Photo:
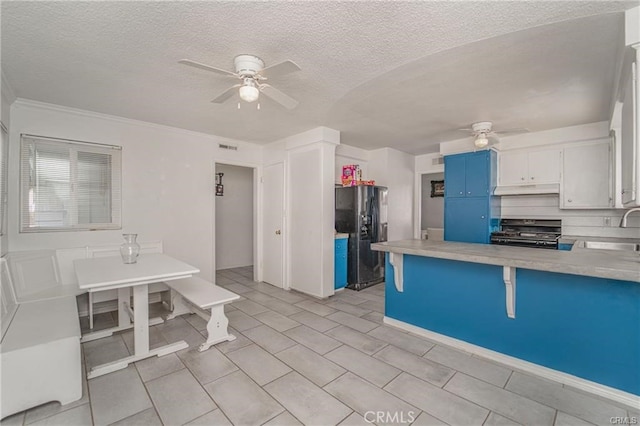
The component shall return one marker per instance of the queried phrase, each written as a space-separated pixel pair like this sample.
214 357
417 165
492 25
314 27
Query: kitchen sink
603 245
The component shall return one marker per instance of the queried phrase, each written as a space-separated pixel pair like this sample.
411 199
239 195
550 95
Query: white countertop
613 264
570 239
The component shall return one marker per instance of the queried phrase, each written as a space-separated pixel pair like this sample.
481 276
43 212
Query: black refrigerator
361 212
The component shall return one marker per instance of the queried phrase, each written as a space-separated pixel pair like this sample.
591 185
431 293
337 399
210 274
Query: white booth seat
44 274
49 274
39 351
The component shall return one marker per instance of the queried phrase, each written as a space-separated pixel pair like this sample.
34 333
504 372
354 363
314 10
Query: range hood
550 188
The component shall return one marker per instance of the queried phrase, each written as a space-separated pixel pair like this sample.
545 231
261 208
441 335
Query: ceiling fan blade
277 70
206 67
273 93
226 94
513 131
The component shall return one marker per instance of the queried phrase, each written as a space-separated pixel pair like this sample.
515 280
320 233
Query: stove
536 233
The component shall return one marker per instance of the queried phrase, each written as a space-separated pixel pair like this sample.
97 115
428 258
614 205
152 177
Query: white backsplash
592 223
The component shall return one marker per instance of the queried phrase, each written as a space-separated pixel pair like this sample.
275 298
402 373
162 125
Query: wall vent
436 161
229 147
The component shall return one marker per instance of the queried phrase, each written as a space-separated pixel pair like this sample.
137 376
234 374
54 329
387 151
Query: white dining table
106 273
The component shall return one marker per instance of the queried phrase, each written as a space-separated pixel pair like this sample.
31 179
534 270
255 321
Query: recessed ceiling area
398 74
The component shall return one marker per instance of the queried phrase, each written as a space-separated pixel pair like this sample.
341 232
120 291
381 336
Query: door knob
278 232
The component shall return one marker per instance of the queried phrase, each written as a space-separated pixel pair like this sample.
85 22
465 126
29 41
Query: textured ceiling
400 74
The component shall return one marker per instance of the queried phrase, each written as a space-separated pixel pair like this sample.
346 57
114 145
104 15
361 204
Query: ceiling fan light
249 93
481 141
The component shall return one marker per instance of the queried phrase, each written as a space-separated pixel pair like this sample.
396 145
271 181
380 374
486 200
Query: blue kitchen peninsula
570 316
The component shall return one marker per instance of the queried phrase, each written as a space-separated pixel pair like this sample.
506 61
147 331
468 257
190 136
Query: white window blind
69 185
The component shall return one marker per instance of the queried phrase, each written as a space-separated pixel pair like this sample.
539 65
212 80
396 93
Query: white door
273 241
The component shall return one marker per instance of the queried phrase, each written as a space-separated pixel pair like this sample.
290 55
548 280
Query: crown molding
28 103
7 90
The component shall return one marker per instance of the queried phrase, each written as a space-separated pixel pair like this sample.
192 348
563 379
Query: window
68 185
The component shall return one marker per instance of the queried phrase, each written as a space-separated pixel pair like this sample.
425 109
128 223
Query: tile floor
300 360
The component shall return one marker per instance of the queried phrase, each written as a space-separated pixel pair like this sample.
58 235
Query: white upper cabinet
544 166
586 176
513 168
524 167
630 136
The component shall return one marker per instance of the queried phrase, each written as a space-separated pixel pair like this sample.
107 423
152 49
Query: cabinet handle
278 232
532 178
469 192
522 178
569 200
461 192
481 217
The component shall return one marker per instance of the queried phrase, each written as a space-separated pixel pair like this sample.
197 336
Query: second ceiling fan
251 72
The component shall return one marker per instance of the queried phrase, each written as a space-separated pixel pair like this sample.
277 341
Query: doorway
235 219
432 206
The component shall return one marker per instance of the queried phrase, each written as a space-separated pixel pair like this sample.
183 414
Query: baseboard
522 365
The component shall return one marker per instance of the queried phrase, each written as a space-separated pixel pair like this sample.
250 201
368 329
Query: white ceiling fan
483 133
251 72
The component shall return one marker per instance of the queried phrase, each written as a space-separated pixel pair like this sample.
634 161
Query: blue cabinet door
454 175
340 263
477 174
466 220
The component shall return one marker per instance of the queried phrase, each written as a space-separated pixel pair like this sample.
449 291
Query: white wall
345 155
309 235
432 208
234 218
167 180
533 139
396 170
5 116
589 223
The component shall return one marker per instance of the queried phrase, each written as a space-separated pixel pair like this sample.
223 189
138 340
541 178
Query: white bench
49 274
196 295
39 351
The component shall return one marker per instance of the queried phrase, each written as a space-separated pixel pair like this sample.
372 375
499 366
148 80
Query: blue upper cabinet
454 176
470 174
478 174
470 211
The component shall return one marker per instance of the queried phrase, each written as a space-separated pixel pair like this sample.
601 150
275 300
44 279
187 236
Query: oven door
523 242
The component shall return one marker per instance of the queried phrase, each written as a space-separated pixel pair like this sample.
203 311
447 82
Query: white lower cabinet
586 181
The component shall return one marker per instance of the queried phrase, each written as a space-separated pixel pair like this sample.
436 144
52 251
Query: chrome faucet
623 222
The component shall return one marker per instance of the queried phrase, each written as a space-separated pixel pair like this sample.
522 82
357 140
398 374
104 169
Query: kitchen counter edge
592 263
